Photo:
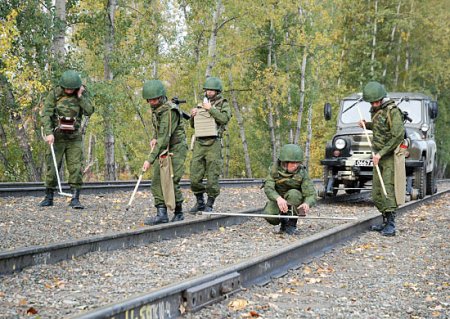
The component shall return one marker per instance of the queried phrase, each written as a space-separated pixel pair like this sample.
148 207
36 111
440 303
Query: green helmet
291 153
373 91
213 83
70 80
153 89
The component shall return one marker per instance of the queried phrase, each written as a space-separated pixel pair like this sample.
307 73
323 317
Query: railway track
37 189
192 294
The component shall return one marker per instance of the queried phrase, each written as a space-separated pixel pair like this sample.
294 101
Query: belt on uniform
204 138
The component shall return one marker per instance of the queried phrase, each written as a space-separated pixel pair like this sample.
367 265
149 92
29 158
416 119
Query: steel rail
20 258
37 189
194 294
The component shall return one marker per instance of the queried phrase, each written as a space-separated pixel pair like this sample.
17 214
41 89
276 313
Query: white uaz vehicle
348 158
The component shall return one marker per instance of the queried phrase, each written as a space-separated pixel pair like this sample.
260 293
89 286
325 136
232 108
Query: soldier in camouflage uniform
168 130
288 188
68 101
388 132
207 155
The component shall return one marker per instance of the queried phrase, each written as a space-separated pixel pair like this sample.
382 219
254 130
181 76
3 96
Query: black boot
48 199
389 230
209 204
179 216
283 225
381 226
200 205
75 201
160 218
291 226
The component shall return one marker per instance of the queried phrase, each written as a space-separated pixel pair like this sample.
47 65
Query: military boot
209 204
291 226
75 201
389 230
160 218
283 225
179 216
381 226
199 205
48 199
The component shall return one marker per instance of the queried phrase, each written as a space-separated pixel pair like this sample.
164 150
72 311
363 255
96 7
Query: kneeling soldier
288 188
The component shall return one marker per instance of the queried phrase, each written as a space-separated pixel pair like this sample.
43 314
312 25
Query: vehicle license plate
364 163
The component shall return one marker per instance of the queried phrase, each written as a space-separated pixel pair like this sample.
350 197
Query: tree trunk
4 142
240 121
60 31
391 42
110 169
374 40
27 154
269 101
126 160
308 139
212 45
302 96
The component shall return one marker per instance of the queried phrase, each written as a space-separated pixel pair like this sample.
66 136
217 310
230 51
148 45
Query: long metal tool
57 173
135 190
278 216
373 153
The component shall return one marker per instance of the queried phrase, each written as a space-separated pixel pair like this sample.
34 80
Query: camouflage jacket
161 116
58 104
220 111
279 182
388 128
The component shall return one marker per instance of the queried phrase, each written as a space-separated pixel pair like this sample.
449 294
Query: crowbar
371 149
57 173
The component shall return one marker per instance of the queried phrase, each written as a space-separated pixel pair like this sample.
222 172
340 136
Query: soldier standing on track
168 130
207 156
388 133
289 189
61 116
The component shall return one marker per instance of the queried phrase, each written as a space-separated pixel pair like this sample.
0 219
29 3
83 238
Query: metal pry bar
278 216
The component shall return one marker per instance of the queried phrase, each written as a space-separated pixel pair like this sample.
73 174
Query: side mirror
327 111
433 109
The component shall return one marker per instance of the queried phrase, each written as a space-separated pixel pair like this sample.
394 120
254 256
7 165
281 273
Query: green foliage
169 40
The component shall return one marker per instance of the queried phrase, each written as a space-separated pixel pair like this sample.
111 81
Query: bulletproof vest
178 134
285 181
218 102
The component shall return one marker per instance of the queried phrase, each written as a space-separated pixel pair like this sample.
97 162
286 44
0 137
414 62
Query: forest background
279 61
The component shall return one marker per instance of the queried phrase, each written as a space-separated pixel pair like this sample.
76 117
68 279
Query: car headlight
340 143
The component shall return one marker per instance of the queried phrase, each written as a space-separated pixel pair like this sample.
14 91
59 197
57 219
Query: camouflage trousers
206 162
384 204
71 147
294 198
179 152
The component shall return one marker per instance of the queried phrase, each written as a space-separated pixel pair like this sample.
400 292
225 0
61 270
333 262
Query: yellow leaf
238 304
222 229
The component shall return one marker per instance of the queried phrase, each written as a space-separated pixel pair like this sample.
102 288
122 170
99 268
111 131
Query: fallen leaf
182 309
222 229
31 311
238 304
22 302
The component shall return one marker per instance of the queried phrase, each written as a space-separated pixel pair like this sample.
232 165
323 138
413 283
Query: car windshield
413 107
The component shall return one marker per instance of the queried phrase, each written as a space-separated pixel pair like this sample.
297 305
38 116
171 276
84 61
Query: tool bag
66 124
400 174
166 172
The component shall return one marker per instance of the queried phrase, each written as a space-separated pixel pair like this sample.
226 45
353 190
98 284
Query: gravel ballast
70 287
406 276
